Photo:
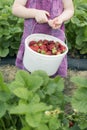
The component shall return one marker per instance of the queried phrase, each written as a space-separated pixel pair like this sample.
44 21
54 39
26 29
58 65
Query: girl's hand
41 16
55 23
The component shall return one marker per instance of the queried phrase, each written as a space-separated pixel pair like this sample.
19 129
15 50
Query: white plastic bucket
35 61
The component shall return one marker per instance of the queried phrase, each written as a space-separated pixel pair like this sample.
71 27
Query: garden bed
9 72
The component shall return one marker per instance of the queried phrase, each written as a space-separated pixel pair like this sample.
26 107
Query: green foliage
5 95
36 102
29 97
79 101
76 28
10 30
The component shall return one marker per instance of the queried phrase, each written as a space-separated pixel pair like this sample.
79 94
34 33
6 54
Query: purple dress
55 8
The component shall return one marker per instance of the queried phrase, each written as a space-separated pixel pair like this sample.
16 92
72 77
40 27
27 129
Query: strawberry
54 50
48 53
51 46
71 124
45 42
47 47
35 48
43 52
58 52
43 47
32 43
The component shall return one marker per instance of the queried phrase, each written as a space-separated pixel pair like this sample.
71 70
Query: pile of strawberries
47 47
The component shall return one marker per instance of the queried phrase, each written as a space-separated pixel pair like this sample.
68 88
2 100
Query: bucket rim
43 55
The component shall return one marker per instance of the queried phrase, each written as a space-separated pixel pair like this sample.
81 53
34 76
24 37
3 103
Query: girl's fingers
47 13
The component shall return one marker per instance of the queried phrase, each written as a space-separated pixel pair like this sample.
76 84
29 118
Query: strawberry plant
76 30
37 102
32 101
79 102
10 30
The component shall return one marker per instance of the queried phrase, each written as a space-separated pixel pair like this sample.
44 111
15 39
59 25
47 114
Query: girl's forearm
23 12
66 15
68 10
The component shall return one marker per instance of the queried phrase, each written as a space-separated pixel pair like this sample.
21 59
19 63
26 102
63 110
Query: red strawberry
35 48
58 52
51 46
43 47
32 43
47 47
49 53
45 42
71 124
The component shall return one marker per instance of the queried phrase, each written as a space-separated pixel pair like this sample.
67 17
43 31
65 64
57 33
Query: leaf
42 127
2 109
43 75
4 96
21 93
54 85
51 87
33 120
29 108
84 49
22 76
85 32
83 6
17 30
56 99
80 16
1 81
60 83
16 84
20 109
35 99
78 22
83 124
4 52
26 128
5 44
75 127
80 38
30 81
38 107
35 82
1 78
79 81
3 85
79 100
54 123
15 46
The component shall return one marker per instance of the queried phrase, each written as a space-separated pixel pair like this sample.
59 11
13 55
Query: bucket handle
66 41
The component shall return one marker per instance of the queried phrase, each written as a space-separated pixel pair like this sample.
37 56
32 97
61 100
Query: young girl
43 16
